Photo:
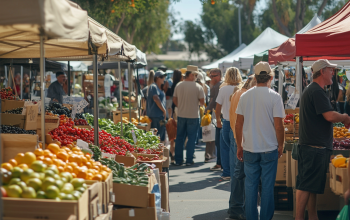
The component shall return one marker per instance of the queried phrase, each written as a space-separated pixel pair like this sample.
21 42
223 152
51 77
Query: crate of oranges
341 133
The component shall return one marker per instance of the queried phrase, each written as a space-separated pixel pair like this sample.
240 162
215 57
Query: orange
13 162
104 167
84 159
40 145
63 156
56 162
48 161
88 156
54 148
97 177
92 171
39 152
70 146
104 175
66 149
29 158
23 166
96 168
19 158
47 153
88 165
61 169
82 174
69 169
97 164
7 166
74 175
40 158
75 158
59 143
89 176
77 149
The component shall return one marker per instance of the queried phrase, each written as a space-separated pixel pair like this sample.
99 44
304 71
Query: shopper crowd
249 133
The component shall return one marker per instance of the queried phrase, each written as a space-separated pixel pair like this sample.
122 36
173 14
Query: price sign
81 105
82 144
134 136
74 111
293 100
68 100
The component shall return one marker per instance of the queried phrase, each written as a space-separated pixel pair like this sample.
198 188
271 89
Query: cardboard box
289 169
127 161
87 127
107 193
166 153
158 163
27 121
95 198
164 189
294 168
12 144
124 113
46 208
332 177
149 213
342 180
281 172
130 195
152 180
289 129
10 104
143 127
51 123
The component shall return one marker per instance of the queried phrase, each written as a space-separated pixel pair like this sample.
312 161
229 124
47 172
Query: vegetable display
58 109
7 93
6 129
14 111
289 119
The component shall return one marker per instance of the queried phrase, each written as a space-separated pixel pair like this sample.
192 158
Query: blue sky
191 10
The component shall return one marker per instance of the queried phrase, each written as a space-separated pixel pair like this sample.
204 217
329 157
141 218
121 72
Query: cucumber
135 166
121 172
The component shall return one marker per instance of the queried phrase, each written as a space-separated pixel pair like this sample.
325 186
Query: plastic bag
208 133
344 213
206 119
171 128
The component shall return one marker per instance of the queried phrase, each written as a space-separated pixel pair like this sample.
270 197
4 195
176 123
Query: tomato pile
7 93
80 122
289 119
67 134
142 158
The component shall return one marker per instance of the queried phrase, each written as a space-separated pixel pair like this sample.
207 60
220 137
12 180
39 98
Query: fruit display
58 109
14 111
80 121
7 129
338 124
341 132
7 93
296 118
31 176
340 161
206 119
142 158
145 119
289 119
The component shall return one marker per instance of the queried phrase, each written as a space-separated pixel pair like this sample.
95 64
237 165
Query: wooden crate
12 144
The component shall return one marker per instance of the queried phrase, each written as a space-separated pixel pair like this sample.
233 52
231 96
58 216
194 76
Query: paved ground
198 193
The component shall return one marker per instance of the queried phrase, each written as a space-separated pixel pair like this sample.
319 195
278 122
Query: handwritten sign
81 105
293 100
68 100
82 144
31 117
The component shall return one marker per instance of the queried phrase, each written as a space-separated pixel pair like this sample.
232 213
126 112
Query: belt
318 147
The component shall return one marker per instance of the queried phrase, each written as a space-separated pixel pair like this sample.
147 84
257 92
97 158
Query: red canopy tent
330 38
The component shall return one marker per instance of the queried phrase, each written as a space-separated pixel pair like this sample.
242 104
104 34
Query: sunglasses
212 76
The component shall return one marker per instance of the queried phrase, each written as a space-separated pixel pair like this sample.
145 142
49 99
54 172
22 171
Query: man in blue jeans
259 138
188 96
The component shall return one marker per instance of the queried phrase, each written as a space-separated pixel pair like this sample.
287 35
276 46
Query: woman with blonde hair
236 204
233 78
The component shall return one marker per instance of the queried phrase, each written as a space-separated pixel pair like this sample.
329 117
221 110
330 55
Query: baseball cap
262 66
320 64
159 73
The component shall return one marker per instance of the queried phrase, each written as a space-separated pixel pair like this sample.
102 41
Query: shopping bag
208 133
344 213
171 129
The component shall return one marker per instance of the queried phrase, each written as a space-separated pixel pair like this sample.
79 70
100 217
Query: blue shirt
153 111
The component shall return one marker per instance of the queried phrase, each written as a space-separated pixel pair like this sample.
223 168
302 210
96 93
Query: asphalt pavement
199 194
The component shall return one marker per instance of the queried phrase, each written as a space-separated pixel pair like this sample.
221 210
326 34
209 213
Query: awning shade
35 65
329 38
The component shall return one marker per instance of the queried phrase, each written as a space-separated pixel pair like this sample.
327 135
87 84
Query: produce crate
51 123
107 193
144 127
283 198
125 113
95 198
87 127
28 121
12 144
128 161
289 129
46 208
148 213
130 195
164 189
10 104
332 177
342 180
158 163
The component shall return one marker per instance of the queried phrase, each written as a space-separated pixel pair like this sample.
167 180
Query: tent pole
138 91
69 86
120 99
298 76
42 72
280 79
129 88
21 82
95 80
6 78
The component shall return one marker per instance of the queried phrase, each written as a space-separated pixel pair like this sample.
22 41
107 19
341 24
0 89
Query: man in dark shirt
315 138
55 91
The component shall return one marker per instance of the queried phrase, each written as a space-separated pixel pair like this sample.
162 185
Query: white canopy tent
314 21
266 40
227 57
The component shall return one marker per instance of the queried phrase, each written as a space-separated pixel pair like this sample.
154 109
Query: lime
76 194
53 168
16 172
68 197
57 177
26 174
62 195
40 195
14 191
77 182
49 173
59 184
34 183
48 181
81 189
67 188
29 192
22 184
14 181
67 175
38 166
52 192
6 177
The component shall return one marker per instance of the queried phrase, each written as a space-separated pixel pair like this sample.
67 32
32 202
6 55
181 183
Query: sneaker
226 178
236 217
190 164
215 168
212 160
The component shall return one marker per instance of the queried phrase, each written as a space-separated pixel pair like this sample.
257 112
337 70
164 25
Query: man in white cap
315 138
260 138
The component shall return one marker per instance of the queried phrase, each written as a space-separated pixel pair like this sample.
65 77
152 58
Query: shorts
313 164
169 103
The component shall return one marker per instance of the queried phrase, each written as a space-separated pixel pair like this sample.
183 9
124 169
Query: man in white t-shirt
188 96
260 137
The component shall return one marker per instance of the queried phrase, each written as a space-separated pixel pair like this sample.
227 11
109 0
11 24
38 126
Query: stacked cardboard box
281 170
